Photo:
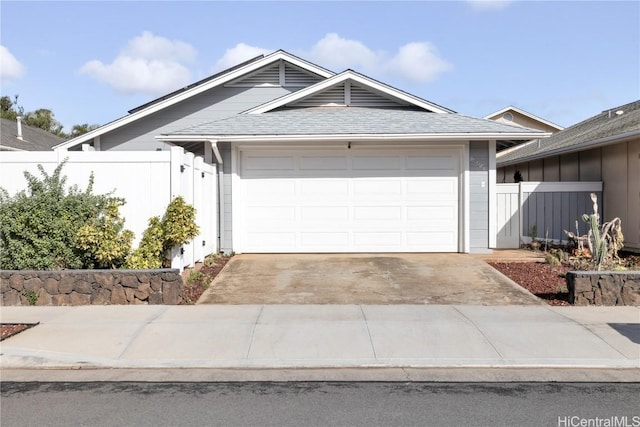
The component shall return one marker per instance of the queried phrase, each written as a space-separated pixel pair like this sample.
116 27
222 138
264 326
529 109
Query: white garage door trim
382 199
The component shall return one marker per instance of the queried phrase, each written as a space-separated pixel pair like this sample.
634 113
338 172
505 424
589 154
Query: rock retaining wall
84 287
604 287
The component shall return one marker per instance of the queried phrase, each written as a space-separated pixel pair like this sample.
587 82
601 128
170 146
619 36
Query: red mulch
10 329
193 291
543 280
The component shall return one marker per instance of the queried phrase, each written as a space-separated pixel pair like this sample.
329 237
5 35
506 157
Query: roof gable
500 114
610 126
281 73
337 90
216 80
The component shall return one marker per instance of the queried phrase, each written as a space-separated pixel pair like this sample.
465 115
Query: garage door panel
311 188
325 239
436 165
385 200
323 163
318 214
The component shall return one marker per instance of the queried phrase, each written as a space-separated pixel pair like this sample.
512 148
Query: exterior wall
524 121
617 165
226 244
214 104
479 196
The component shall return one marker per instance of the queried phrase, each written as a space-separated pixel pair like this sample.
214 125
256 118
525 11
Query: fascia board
337 79
346 137
573 148
195 91
524 113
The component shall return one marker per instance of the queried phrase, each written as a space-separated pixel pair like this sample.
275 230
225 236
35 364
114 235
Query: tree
78 130
43 118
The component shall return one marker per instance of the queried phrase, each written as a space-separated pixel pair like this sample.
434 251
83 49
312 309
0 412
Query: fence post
198 178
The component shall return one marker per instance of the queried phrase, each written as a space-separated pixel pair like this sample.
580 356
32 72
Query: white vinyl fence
548 208
146 180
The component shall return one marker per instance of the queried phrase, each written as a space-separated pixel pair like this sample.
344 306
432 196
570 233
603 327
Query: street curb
437 375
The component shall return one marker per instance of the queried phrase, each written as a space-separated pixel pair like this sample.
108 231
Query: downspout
216 153
19 124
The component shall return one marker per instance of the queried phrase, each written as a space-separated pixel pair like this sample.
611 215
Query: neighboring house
515 116
16 136
605 147
313 161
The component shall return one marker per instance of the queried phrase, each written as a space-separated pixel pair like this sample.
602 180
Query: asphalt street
319 404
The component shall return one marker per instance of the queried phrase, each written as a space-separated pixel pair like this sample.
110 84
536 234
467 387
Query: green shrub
39 226
105 238
177 227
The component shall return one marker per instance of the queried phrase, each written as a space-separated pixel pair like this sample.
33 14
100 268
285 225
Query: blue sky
90 62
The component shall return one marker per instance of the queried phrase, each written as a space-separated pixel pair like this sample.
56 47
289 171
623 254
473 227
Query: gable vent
333 96
294 76
361 97
267 76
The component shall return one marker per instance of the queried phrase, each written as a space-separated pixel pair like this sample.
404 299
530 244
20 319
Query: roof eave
600 142
195 91
460 136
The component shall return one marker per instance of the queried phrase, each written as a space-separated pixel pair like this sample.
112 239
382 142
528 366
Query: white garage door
340 200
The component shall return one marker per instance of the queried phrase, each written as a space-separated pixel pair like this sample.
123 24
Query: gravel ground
543 280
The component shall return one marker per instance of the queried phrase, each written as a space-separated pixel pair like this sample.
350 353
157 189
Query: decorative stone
156 283
101 296
16 282
4 284
43 297
51 286
583 284
32 285
143 277
155 298
609 290
60 299
105 280
171 292
11 297
169 277
136 301
117 295
66 284
79 299
129 293
129 281
142 293
82 287
630 294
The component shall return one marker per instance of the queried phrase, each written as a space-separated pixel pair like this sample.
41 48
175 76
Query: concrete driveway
363 279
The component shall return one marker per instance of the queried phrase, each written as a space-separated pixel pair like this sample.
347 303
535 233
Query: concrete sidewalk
323 338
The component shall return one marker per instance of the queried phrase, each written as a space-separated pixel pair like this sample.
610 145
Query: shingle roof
33 139
604 125
349 121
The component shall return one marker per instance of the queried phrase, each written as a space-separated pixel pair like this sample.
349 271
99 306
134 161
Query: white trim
179 97
370 137
236 212
345 76
493 227
524 113
465 244
560 187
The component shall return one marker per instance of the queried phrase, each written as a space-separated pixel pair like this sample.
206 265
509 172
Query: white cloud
10 67
149 64
415 61
489 4
238 54
419 62
333 51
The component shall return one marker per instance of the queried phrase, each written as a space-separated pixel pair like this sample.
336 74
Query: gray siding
553 212
479 196
212 105
227 241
